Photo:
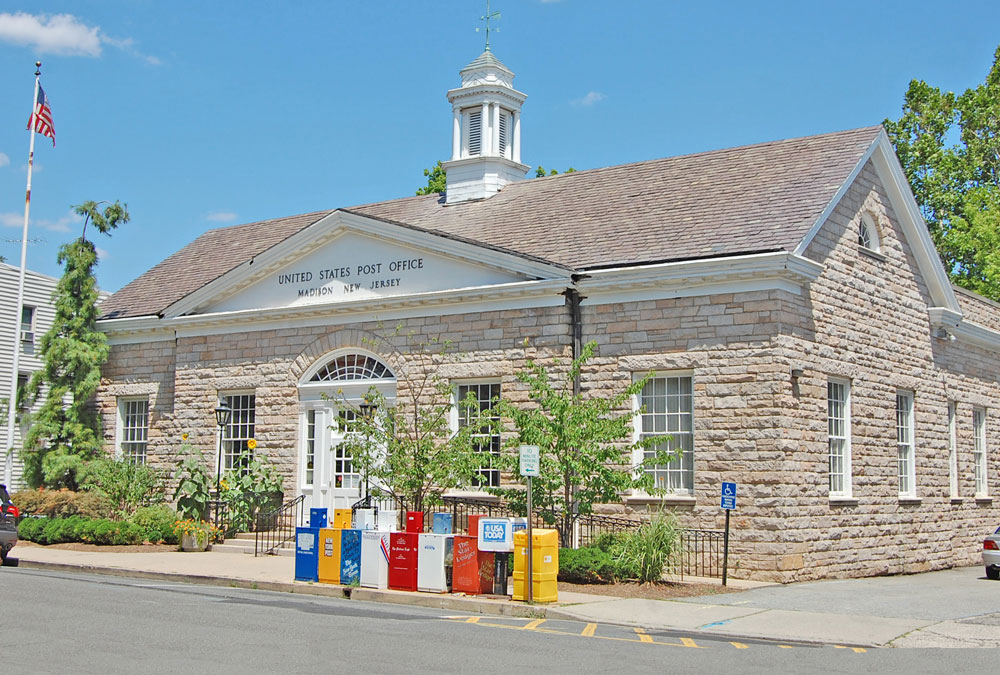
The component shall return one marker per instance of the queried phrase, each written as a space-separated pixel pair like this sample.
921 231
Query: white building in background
23 332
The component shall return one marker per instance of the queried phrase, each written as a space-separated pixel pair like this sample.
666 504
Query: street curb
467 605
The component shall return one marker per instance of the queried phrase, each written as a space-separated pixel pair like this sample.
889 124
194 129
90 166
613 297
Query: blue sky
206 114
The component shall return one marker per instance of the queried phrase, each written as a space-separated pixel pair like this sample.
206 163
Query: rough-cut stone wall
864 319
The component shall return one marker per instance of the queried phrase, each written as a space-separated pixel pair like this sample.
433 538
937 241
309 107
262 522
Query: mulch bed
660 591
144 548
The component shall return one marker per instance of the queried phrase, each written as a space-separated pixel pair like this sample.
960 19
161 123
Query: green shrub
648 550
30 528
587 565
126 485
157 523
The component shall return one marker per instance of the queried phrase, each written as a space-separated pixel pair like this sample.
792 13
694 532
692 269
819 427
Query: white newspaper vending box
375 559
434 559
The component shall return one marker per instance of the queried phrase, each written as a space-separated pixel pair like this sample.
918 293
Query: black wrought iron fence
701 553
275 528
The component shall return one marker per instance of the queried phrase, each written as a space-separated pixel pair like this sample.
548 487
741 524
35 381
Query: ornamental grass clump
649 550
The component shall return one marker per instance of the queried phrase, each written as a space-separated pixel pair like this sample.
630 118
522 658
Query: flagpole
19 308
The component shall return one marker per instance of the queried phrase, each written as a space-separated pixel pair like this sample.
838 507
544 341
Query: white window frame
27 329
239 430
953 488
312 444
838 430
906 459
127 432
979 462
677 476
490 471
867 225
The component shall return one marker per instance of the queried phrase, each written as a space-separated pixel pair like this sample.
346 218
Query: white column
487 140
456 134
516 151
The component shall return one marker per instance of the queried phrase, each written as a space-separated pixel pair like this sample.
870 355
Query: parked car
8 523
991 555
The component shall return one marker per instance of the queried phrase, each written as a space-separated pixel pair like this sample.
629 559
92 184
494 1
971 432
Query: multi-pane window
486 395
667 406
22 391
134 414
310 449
867 234
904 444
979 450
838 424
344 475
235 452
350 367
952 449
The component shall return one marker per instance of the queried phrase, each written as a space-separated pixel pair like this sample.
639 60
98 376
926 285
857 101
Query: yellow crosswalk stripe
688 642
643 637
740 645
588 630
531 625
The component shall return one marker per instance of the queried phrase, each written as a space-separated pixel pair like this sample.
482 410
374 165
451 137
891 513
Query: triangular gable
347 258
883 158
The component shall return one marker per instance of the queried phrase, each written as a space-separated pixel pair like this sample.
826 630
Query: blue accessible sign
729 496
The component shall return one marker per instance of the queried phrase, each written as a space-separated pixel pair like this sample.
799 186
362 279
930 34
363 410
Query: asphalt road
74 623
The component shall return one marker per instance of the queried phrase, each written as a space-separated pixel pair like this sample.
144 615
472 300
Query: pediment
346 258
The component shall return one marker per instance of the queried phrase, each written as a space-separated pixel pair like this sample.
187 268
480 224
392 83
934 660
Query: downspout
573 299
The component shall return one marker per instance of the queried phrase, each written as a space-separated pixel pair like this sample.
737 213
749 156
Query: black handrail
277 527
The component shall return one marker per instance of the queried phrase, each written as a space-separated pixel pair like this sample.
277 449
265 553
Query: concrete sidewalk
952 608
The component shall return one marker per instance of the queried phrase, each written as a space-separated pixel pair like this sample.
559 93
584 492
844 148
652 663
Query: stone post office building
806 340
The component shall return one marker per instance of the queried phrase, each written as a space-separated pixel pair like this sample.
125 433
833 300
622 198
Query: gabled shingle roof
722 203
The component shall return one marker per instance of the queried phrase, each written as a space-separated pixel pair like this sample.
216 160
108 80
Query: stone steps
243 542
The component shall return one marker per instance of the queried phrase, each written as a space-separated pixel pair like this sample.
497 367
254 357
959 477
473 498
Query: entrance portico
330 392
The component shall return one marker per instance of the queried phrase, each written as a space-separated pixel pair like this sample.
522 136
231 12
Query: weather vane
489 15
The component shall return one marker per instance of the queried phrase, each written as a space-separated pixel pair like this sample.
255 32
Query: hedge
102 531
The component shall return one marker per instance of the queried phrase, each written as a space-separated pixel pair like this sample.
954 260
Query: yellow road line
859 650
785 647
589 629
643 637
531 625
740 645
473 619
688 642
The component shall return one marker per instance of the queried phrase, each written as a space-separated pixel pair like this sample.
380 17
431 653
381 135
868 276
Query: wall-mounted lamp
943 333
796 373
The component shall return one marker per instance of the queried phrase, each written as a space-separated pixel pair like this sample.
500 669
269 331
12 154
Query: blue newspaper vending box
318 517
442 523
350 557
306 554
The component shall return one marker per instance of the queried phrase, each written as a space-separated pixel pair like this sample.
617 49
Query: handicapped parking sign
729 496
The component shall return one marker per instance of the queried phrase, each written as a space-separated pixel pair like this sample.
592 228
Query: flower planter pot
190 542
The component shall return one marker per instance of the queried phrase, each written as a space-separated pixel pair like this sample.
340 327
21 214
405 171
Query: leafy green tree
436 182
541 173
585 446
65 434
957 185
407 449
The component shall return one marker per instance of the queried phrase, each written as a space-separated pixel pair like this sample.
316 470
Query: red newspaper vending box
472 570
403 561
415 521
473 529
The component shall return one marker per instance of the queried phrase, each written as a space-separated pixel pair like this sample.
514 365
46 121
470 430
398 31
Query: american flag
43 117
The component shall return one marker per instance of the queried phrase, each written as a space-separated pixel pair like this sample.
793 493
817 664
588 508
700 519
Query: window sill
665 500
843 501
984 500
910 501
872 254
471 494
957 500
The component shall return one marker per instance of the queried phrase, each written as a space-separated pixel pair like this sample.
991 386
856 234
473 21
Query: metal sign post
529 467
728 503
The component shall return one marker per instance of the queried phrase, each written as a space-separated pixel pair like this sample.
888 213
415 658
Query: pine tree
65 433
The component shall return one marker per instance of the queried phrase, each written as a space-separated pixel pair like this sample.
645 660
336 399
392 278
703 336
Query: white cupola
486 131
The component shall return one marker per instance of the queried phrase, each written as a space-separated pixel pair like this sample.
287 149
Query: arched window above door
351 368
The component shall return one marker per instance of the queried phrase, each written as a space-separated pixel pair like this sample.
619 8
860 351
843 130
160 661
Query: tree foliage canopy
949 147
65 433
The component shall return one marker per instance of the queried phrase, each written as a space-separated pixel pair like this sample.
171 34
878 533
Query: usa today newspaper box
497 535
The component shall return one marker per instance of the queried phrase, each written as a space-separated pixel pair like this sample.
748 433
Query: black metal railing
701 553
275 528
218 511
